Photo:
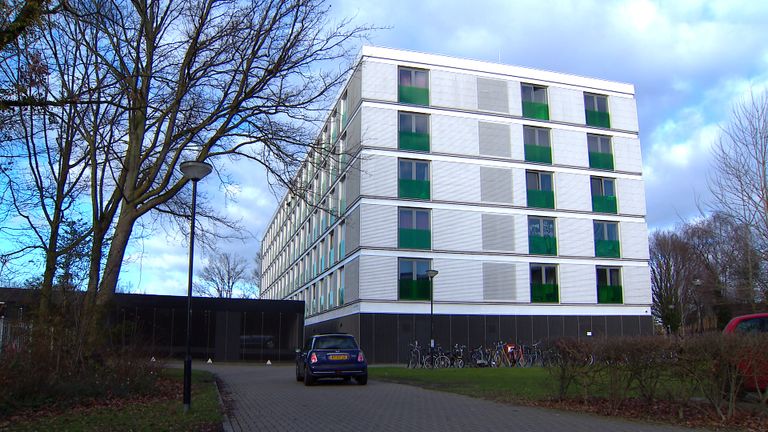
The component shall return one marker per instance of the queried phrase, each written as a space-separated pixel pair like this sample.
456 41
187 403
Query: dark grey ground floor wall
385 337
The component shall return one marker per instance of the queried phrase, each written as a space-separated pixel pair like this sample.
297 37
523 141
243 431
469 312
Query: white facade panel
352 281
519 192
459 280
515 98
521 234
636 282
352 234
578 283
379 127
630 194
352 182
569 148
378 226
623 111
523 283
378 176
379 81
445 236
354 90
353 136
452 90
454 135
378 278
575 237
572 192
566 105
516 135
453 181
626 154
634 240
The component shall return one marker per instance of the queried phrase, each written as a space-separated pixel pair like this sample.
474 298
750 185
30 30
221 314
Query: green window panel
544 293
604 204
407 188
599 119
414 238
409 289
413 95
344 119
342 254
609 294
334 134
542 245
536 110
541 199
607 248
331 258
601 160
534 153
342 206
413 141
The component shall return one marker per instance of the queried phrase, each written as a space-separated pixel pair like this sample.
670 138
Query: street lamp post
431 273
194 171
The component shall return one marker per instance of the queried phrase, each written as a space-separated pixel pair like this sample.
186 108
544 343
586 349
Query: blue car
334 355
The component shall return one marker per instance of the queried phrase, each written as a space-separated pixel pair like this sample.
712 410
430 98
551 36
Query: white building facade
522 188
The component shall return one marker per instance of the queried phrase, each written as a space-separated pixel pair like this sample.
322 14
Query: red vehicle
747 324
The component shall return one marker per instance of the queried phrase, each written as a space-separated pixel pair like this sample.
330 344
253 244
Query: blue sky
689 62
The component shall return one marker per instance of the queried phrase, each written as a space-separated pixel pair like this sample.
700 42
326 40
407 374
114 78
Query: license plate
338 356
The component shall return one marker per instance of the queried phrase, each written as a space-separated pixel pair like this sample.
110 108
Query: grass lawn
164 414
500 384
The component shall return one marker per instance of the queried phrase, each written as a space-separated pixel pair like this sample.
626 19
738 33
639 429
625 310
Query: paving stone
268 398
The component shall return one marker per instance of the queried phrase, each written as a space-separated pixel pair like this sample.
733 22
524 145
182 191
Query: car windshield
335 342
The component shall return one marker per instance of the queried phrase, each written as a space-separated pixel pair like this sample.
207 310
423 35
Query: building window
535 102
541 236
413 131
600 154
544 283
609 285
537 144
596 109
341 286
344 108
540 190
414 229
413 282
413 179
413 86
607 239
342 234
603 195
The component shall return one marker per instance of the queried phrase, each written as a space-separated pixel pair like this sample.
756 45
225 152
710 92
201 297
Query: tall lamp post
431 273
194 171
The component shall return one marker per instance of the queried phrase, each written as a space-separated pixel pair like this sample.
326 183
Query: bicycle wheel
442 362
414 361
459 363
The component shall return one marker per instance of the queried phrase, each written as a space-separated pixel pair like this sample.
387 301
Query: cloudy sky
690 61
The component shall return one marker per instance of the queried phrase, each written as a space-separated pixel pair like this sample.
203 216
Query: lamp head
195 170
432 273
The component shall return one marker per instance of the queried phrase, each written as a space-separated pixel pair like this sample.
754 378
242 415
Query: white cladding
447 185
572 192
566 105
626 154
378 176
446 237
575 237
379 281
578 283
453 90
569 147
634 240
455 135
631 196
379 81
380 128
378 226
623 113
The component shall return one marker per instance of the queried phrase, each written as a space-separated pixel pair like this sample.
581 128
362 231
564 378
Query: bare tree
222 276
159 82
672 273
739 178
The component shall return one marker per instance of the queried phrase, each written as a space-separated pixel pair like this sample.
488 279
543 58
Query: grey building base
385 337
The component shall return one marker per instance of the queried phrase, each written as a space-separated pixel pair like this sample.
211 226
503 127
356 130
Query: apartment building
522 188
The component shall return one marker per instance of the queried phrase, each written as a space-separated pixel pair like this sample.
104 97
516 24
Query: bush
30 381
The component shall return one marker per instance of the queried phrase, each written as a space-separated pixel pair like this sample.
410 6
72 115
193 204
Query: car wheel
308 380
298 374
362 379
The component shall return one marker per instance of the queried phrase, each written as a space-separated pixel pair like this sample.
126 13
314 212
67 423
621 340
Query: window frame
537 130
606 224
538 180
412 72
595 105
534 88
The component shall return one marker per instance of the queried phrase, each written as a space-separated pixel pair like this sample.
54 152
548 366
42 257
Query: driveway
268 398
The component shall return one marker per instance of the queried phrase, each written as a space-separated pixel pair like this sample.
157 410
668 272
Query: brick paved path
268 398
